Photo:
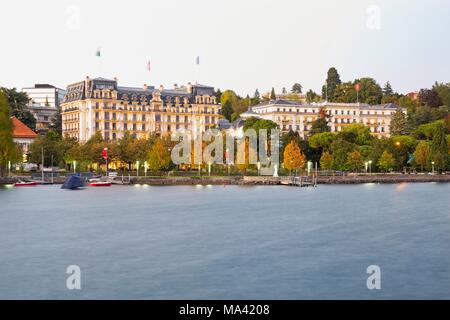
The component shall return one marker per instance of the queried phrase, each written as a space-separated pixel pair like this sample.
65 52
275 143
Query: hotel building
101 105
298 116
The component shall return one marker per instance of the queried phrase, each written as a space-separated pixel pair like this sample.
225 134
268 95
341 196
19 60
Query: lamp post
432 166
145 167
200 169
259 167
209 168
9 168
74 166
366 165
370 167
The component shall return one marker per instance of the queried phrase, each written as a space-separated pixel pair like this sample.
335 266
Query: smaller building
23 136
45 100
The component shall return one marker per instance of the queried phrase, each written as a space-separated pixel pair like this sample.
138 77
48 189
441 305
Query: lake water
215 242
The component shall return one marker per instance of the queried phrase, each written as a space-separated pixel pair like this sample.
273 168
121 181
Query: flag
357 87
98 53
197 60
149 66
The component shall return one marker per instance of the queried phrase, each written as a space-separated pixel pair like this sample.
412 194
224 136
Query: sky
243 44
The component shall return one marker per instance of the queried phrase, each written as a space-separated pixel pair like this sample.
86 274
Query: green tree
158 156
387 89
439 148
56 121
356 133
311 96
422 154
297 88
18 102
7 146
227 110
399 125
333 80
386 161
340 149
273 96
443 91
354 161
326 161
322 140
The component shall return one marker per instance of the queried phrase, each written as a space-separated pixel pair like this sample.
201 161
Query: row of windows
330 112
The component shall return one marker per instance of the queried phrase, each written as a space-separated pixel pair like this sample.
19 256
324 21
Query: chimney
175 86
189 87
161 88
145 87
115 79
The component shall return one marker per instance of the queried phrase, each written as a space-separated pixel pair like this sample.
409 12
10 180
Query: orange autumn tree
294 159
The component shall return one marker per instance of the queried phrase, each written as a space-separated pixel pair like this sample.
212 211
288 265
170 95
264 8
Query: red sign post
105 156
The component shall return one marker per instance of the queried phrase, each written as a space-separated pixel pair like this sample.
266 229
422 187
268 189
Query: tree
326 161
227 110
387 89
56 121
322 140
18 102
311 96
333 80
430 98
443 90
354 161
293 157
7 146
399 125
284 91
297 88
439 148
356 133
340 149
386 161
370 91
158 156
273 96
422 154
257 97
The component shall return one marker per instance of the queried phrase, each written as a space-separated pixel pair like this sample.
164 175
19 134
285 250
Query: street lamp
432 166
145 167
398 143
209 168
259 167
74 166
370 167
9 168
366 165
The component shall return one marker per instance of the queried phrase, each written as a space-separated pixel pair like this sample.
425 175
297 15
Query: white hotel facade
299 116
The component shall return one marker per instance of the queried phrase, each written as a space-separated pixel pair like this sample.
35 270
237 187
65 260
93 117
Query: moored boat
100 184
25 183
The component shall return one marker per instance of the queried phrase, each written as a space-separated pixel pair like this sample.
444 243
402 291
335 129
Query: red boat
100 184
25 184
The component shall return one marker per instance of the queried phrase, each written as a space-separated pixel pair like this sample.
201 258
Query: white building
298 116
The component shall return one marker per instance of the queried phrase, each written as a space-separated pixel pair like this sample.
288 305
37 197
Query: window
125 126
134 127
143 127
106 125
106 115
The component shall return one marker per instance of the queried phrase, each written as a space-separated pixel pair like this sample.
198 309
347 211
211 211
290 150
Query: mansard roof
83 89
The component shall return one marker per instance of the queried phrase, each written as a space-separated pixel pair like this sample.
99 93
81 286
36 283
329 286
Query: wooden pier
299 181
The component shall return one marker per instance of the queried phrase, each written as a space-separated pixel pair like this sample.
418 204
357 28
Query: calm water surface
226 242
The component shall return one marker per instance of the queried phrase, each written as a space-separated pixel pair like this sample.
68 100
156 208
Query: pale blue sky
243 45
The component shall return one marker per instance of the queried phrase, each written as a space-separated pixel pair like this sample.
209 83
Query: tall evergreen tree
333 80
439 148
297 88
399 123
387 90
272 94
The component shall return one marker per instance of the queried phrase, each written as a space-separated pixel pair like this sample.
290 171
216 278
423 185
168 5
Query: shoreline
267 180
